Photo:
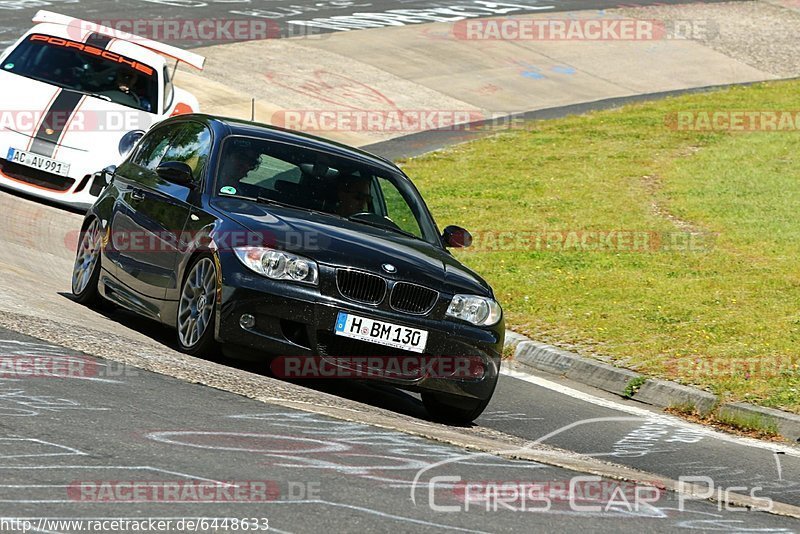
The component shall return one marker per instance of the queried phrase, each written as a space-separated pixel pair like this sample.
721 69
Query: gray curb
627 383
665 394
788 425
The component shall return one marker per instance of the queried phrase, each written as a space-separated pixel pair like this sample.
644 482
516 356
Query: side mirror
176 172
128 142
102 180
456 237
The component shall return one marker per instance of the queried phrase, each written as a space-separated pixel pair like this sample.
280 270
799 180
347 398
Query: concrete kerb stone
552 360
788 425
665 394
627 383
604 376
513 339
544 357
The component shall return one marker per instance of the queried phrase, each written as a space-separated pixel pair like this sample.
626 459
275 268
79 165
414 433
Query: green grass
724 314
634 386
749 423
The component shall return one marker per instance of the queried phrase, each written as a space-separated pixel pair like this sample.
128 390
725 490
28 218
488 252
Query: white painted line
644 413
69 450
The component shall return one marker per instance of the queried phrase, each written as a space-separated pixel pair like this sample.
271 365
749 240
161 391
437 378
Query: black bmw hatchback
318 256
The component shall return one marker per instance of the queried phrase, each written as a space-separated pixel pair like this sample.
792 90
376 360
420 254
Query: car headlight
128 142
481 311
278 265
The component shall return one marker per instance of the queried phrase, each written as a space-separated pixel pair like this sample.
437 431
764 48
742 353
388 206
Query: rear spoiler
192 59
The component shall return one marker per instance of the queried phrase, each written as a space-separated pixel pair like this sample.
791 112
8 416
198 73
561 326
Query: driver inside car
353 194
125 82
240 158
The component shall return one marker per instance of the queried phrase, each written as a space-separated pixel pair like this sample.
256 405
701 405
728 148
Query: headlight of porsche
279 265
481 311
129 141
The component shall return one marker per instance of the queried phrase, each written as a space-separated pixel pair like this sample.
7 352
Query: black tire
196 317
86 269
453 410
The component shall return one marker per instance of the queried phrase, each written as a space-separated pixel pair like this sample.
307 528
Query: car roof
242 127
80 34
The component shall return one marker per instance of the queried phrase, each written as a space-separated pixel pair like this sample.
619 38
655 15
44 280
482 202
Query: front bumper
294 320
75 191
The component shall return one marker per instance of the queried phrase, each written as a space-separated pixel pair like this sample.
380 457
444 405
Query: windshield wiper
239 197
101 97
267 200
383 227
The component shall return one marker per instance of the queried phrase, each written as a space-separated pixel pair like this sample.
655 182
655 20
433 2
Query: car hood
78 122
342 243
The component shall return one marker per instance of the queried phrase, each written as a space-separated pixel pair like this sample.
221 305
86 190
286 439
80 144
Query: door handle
137 194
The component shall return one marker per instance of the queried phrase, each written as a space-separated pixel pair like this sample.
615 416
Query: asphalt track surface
291 17
74 447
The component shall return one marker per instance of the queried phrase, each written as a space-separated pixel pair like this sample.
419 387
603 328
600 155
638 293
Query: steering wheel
132 95
78 72
135 97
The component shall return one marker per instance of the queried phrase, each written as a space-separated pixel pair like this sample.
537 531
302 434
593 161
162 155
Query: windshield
85 68
313 180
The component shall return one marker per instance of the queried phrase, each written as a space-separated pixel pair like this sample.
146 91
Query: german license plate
381 333
36 161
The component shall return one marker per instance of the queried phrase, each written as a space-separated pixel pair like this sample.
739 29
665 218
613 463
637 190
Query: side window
169 90
396 207
270 170
153 147
191 145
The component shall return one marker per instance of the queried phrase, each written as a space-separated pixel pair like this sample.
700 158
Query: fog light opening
247 321
477 370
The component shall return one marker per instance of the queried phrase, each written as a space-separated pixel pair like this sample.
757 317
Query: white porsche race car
75 98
